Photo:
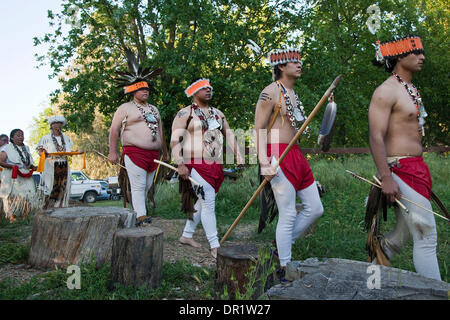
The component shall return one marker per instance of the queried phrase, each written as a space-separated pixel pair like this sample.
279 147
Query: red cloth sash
210 171
141 157
294 165
416 174
16 172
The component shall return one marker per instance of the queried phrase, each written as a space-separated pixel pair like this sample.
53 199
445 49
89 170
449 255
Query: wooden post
137 257
67 236
233 265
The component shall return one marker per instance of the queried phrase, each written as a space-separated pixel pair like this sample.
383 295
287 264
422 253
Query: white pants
290 224
421 225
140 181
205 213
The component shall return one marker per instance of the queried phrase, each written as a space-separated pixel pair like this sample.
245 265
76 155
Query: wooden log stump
234 271
137 257
70 236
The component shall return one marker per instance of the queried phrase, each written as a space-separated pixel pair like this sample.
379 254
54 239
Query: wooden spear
402 197
283 155
175 169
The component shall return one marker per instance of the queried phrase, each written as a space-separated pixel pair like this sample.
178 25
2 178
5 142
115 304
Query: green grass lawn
339 232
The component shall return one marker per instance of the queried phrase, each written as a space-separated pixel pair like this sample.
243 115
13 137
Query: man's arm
380 110
114 135
231 140
264 108
3 163
176 139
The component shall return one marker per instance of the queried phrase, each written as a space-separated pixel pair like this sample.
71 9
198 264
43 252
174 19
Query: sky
25 90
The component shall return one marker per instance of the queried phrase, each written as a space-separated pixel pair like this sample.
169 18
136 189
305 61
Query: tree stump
234 271
137 257
69 236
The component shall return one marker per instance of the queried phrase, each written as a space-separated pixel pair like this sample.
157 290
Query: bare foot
190 241
213 252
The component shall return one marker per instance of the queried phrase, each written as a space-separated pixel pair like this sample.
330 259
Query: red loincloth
415 173
294 165
141 157
211 172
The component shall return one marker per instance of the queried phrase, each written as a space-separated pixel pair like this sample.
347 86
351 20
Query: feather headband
398 48
281 56
137 77
198 85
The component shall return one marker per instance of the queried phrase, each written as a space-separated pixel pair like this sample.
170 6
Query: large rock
341 279
66 236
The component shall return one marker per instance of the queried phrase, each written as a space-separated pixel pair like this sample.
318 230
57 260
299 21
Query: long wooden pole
283 155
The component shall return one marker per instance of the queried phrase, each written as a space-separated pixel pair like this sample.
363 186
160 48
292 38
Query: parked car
113 188
104 195
82 188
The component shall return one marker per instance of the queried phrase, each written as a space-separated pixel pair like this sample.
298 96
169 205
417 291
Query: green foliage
208 38
188 39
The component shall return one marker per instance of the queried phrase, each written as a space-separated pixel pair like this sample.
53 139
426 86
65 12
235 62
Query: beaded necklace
415 96
25 160
204 119
295 114
150 118
55 142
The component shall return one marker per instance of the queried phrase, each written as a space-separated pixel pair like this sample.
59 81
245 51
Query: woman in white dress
54 185
18 189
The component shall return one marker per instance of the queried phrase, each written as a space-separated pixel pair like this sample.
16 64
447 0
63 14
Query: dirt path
173 249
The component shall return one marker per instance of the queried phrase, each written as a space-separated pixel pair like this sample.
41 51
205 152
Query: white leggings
205 212
140 181
421 225
290 224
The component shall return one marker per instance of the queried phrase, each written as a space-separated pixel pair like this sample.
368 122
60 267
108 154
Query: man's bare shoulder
385 92
183 113
125 105
269 93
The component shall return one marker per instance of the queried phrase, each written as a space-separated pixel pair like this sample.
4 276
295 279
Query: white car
82 188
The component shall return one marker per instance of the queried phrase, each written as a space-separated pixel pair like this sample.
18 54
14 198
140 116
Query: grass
339 233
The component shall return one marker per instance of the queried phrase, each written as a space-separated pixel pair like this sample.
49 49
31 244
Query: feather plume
268 206
136 73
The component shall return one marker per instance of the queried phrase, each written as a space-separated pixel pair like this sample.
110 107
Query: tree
188 39
209 38
337 40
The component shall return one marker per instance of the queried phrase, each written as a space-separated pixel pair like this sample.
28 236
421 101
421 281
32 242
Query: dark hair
13 132
3 136
277 73
389 64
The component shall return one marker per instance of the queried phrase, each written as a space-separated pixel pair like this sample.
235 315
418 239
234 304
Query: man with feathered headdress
279 115
197 143
55 179
396 123
140 126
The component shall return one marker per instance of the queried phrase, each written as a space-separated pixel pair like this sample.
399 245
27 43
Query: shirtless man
396 121
141 134
294 176
197 144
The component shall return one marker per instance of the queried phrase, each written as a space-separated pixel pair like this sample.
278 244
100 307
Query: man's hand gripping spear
289 147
